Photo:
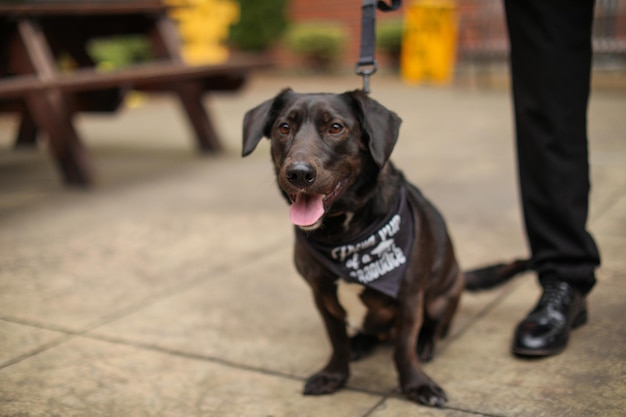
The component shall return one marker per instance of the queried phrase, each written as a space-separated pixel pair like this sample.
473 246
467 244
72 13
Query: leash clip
366 65
365 71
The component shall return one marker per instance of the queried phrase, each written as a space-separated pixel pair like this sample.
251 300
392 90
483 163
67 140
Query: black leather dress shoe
545 331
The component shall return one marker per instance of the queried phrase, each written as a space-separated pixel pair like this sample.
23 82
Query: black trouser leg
551 70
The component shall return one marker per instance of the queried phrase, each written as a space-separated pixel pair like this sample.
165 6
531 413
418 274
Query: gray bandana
378 259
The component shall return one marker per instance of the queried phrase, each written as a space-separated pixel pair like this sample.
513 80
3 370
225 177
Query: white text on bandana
378 260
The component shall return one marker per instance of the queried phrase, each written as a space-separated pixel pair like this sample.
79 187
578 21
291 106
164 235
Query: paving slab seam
376 406
171 292
473 412
396 395
71 335
599 212
47 346
215 360
44 326
152 299
120 314
506 290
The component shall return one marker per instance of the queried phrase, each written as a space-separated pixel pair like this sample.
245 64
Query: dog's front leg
416 385
335 374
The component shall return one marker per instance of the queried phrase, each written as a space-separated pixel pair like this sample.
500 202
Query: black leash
366 66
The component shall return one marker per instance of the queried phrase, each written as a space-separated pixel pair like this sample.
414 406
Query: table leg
190 95
28 130
166 44
50 110
71 158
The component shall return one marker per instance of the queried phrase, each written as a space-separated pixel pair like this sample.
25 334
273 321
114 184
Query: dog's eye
335 128
284 128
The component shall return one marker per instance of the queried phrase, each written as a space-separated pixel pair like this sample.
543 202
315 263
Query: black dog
358 218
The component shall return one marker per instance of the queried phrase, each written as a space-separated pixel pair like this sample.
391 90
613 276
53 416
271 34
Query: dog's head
323 147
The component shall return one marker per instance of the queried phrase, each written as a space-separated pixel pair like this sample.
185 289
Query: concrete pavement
169 289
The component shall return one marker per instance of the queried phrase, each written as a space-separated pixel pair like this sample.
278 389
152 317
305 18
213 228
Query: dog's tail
491 276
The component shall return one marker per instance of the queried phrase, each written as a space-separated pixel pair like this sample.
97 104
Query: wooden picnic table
34 35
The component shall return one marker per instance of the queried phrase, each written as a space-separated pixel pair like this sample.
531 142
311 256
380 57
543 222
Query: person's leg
551 69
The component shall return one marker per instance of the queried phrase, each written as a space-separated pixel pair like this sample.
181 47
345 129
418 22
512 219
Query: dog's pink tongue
307 209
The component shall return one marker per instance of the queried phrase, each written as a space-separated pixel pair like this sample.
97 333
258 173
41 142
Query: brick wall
345 12
610 23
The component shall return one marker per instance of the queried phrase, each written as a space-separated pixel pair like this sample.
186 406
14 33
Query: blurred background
431 41
434 43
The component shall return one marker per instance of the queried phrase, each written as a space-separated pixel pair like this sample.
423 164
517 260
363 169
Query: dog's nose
301 174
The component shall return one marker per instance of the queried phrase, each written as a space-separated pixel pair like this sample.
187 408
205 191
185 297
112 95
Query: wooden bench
156 76
31 37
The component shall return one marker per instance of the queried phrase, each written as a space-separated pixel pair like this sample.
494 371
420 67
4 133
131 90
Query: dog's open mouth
307 209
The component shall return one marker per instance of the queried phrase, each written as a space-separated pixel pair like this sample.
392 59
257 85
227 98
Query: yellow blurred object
429 41
203 26
134 99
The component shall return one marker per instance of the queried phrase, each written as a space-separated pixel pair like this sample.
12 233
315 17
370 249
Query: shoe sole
578 321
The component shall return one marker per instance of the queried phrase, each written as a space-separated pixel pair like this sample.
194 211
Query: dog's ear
381 125
258 121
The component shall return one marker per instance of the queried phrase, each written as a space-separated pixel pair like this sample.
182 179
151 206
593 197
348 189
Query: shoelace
555 293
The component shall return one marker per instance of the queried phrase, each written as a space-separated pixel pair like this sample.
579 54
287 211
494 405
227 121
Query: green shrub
389 41
389 36
120 51
320 42
261 22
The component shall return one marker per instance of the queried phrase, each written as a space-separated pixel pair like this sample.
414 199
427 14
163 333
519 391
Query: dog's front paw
325 382
427 394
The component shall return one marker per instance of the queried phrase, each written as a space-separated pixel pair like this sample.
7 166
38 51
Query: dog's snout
301 174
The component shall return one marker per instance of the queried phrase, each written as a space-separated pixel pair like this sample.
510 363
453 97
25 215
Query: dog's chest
351 302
